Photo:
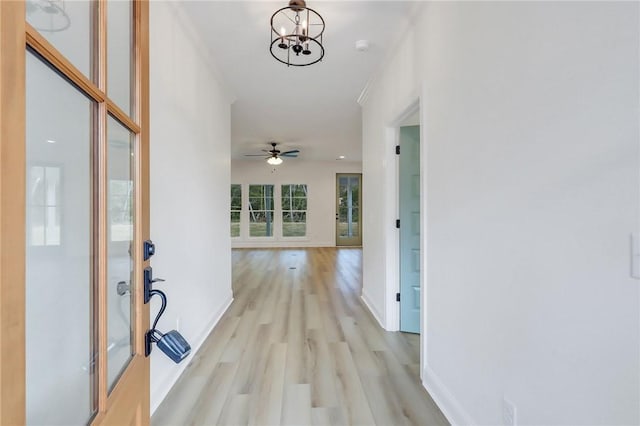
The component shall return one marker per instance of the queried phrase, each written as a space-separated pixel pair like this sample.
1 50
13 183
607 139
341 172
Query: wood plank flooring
298 347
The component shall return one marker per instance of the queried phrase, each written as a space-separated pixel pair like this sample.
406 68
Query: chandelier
296 35
48 15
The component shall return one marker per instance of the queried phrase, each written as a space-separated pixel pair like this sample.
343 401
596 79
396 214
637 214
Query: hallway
297 347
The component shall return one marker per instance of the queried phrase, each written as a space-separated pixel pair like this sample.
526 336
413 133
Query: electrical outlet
509 413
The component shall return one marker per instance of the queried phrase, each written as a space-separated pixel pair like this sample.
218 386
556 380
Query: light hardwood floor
298 347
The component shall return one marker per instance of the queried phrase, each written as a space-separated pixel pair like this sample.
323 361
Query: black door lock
149 249
171 343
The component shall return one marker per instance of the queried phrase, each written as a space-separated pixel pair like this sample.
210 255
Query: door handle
148 283
123 288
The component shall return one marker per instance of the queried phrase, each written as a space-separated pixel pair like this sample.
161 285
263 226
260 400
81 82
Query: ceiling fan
274 155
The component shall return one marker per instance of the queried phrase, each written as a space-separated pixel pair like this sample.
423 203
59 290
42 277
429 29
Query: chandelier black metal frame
296 35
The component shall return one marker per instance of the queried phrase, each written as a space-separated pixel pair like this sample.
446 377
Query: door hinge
398 223
397 297
397 149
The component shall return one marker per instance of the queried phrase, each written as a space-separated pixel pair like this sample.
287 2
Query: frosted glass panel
68 25
120 263
119 42
60 353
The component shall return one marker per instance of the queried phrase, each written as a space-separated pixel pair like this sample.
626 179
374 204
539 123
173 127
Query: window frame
232 210
273 210
292 211
51 248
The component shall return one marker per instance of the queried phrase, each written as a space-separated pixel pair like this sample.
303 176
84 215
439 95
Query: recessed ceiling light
50 141
362 45
341 157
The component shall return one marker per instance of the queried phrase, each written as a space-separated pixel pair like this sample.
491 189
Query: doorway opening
348 209
406 284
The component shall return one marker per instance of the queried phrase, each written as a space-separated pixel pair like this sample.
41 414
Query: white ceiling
312 108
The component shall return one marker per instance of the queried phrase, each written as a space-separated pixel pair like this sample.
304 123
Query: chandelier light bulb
282 44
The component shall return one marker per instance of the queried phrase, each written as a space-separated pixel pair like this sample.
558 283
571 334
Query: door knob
123 288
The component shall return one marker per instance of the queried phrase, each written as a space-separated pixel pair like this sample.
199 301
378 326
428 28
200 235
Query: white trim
375 312
444 399
392 252
280 244
392 281
163 390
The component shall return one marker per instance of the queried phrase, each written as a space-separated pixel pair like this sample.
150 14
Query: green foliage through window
261 210
236 209
294 210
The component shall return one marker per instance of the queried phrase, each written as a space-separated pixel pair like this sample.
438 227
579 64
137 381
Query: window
44 206
121 209
236 209
260 210
294 210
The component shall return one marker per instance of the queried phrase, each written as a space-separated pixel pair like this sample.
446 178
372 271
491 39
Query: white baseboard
160 393
372 309
444 399
281 244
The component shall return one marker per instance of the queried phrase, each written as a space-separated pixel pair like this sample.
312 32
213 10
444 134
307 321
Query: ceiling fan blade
255 155
290 155
293 151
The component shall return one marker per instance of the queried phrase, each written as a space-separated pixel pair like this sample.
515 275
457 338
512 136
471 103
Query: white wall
530 178
320 177
190 137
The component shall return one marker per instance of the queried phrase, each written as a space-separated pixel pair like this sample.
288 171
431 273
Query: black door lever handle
148 281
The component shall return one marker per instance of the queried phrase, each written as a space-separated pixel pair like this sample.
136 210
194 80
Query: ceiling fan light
274 161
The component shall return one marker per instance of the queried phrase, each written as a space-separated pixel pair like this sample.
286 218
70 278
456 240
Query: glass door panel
119 50
120 263
348 232
69 26
61 353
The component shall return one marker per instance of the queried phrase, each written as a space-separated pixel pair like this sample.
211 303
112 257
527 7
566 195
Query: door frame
414 104
359 175
16 36
12 212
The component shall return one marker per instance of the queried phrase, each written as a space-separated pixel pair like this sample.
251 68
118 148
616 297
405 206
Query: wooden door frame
12 212
15 37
